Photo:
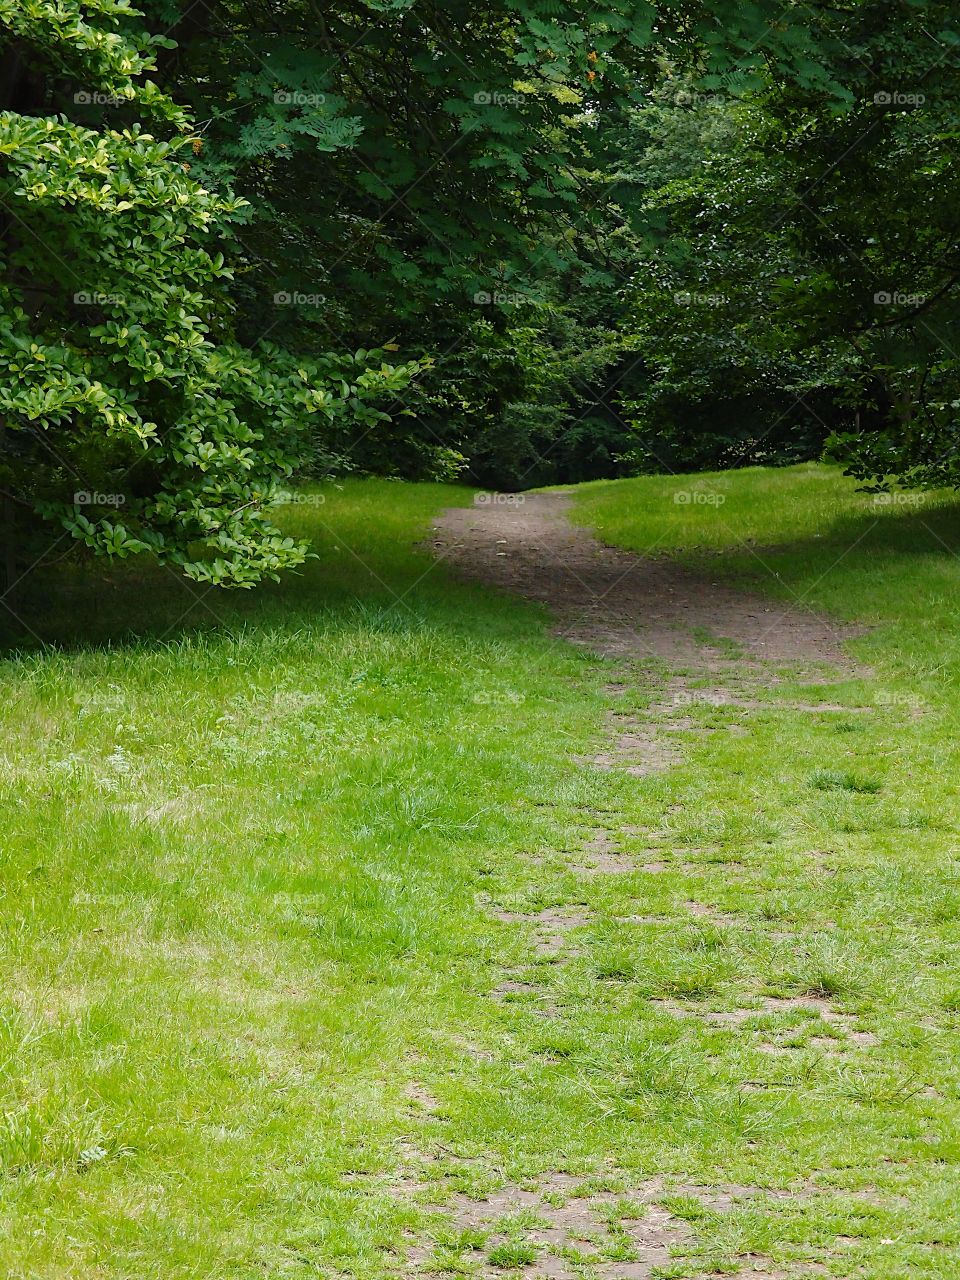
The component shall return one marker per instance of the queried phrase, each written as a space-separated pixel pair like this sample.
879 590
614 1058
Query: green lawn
253 846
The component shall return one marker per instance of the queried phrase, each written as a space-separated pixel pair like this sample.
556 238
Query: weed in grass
839 780
512 1254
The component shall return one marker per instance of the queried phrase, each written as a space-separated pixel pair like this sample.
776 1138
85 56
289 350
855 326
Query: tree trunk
9 560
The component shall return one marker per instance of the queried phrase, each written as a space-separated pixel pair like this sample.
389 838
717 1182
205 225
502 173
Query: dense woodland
519 243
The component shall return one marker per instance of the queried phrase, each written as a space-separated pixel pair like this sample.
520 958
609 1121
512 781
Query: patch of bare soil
517 991
839 1030
555 1228
602 857
640 751
620 604
722 642
551 927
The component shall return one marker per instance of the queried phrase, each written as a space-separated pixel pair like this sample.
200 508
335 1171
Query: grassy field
239 915
267 857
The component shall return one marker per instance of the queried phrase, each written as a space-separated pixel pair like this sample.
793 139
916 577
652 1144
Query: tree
526 201
408 165
795 274
125 419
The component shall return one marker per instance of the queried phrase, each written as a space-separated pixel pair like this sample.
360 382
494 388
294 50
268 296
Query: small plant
839 780
512 1253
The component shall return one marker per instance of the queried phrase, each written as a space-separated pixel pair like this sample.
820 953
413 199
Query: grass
251 849
241 869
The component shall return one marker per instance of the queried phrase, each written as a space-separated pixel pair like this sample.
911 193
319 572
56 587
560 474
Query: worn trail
620 604
681 640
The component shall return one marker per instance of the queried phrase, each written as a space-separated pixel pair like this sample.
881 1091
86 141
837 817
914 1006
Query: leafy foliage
403 162
800 283
126 420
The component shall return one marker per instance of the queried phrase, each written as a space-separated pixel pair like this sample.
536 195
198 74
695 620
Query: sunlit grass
251 849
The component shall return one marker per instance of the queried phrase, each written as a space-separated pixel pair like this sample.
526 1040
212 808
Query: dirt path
681 639
620 604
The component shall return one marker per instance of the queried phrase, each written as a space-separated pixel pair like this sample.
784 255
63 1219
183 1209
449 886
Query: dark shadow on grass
91 606
924 530
83 604
361 534
859 539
